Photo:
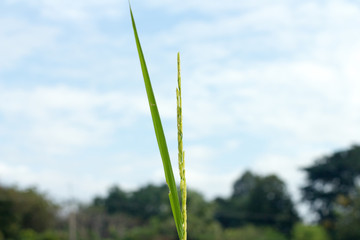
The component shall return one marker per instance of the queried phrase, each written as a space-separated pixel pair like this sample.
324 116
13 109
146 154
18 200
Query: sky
268 86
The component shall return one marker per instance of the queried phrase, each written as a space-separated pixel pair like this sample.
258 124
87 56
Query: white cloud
286 166
66 185
307 90
60 118
211 7
76 11
20 39
210 183
127 170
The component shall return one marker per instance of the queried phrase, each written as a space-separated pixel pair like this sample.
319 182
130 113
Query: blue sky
267 85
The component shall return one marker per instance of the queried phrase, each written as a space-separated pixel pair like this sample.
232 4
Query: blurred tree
143 203
244 185
117 201
348 222
145 214
9 224
94 223
201 222
330 183
24 209
107 217
127 214
250 232
262 201
150 201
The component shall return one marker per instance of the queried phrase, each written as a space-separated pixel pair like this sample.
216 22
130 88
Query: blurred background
270 107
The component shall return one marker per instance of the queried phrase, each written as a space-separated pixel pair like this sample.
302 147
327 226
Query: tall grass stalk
179 215
181 153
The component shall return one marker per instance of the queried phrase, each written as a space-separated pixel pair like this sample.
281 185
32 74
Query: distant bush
253 233
24 209
309 232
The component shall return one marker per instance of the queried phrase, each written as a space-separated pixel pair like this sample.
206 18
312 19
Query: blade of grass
160 137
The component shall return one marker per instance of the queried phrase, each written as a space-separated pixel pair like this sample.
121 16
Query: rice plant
179 214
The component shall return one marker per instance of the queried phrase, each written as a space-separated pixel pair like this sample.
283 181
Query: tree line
259 208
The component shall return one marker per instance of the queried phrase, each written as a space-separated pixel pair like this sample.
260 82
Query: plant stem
181 153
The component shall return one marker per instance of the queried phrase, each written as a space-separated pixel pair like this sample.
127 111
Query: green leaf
159 132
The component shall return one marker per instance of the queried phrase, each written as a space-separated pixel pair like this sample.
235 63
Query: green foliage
150 201
155 229
200 229
262 201
202 225
250 232
95 224
29 234
348 222
199 207
331 181
150 214
144 203
24 209
117 201
309 232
